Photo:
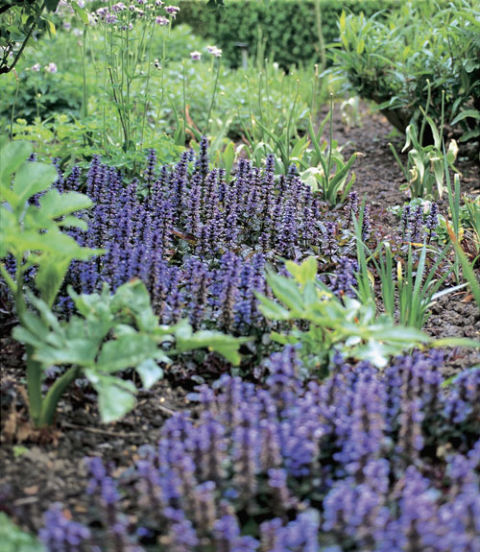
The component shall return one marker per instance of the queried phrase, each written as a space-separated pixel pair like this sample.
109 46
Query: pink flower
51 68
172 10
102 12
119 6
217 52
35 67
160 20
196 56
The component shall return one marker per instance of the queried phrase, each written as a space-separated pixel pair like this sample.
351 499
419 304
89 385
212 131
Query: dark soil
33 474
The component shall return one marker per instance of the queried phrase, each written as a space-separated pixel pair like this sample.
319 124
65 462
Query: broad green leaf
73 222
12 156
78 352
305 272
31 179
133 298
54 204
399 333
149 372
272 310
226 345
128 351
50 276
285 290
116 397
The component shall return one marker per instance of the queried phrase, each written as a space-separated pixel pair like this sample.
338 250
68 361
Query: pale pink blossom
51 68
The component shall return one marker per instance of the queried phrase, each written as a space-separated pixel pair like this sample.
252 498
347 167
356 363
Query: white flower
214 51
172 10
160 20
195 55
51 68
35 67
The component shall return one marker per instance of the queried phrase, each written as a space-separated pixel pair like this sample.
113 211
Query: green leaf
49 278
272 310
149 372
54 204
12 156
285 290
128 351
472 113
31 179
116 397
305 272
13 539
226 345
78 352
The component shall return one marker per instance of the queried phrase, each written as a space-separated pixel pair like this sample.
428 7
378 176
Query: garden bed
35 475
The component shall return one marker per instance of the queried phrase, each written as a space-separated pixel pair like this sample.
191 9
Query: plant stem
34 387
53 395
84 71
213 93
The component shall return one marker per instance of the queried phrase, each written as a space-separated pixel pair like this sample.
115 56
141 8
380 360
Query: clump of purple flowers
200 242
362 461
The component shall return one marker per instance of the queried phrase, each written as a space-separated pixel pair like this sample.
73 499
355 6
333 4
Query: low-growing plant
324 324
33 239
426 168
354 461
411 277
415 284
205 238
324 167
111 333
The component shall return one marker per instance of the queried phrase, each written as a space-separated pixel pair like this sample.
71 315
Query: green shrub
288 29
417 57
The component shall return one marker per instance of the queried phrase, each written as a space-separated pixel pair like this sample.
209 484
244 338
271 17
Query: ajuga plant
363 461
197 240
112 333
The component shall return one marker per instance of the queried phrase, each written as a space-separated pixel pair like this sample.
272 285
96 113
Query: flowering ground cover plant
360 462
113 333
198 240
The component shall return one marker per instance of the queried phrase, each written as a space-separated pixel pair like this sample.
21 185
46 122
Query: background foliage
288 29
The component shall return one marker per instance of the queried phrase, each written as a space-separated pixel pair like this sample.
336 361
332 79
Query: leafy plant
19 20
468 270
324 324
325 169
427 166
15 540
392 60
33 235
111 333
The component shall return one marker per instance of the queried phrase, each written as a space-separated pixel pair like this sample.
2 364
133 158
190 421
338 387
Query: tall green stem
84 74
214 92
34 387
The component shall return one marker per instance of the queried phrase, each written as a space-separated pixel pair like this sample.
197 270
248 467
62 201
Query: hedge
287 27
